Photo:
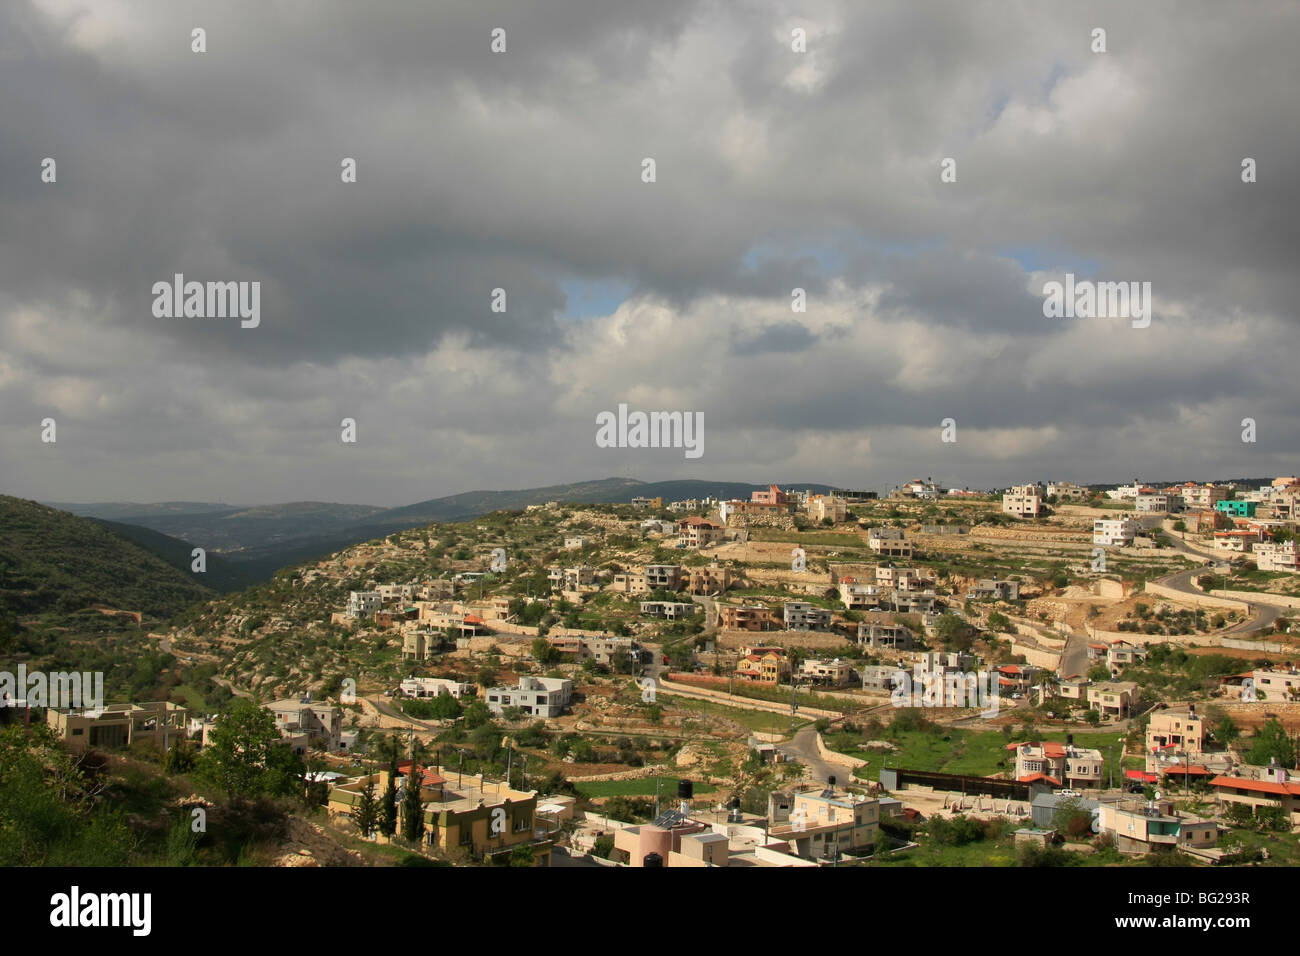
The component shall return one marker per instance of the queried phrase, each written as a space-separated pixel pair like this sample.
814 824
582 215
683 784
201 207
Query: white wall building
364 604
1114 532
535 696
1277 557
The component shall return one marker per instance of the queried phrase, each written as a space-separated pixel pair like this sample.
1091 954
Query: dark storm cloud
520 171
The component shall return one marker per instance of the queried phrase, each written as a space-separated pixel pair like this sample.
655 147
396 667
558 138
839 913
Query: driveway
1074 658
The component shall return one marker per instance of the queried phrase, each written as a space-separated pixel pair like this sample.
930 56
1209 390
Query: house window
466 835
522 823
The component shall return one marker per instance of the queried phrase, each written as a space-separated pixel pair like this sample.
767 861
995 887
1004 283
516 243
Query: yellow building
119 725
820 825
482 818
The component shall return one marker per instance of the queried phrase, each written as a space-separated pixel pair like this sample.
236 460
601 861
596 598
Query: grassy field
641 787
759 720
193 699
974 753
981 853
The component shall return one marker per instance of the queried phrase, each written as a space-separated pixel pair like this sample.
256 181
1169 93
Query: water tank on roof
685 790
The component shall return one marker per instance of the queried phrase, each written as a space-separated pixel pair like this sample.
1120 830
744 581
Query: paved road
1265 614
1074 657
803 747
389 711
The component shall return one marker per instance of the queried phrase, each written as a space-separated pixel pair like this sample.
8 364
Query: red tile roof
1259 786
1035 777
1193 771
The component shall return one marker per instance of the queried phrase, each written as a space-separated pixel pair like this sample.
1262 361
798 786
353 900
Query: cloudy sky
774 170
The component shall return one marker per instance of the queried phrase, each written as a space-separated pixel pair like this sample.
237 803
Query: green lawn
641 787
193 699
980 853
974 753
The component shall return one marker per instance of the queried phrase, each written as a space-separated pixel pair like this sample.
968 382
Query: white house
1277 557
364 604
1114 532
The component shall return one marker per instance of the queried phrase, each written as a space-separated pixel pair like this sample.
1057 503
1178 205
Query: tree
954 632
999 622
241 748
544 652
413 809
476 714
680 656
604 846
367 814
1226 731
388 808
445 707
522 855
181 758
1271 743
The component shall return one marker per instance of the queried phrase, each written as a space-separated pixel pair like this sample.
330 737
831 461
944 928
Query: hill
53 563
127 510
258 541
222 574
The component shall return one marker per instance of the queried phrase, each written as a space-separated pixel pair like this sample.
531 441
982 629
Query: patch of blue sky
1043 257
585 298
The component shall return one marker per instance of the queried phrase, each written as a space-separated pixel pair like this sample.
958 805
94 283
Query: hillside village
1047 673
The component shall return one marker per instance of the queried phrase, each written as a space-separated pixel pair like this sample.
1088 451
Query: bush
1031 855
957 831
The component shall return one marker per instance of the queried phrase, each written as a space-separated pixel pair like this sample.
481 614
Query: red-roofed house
1260 787
1058 762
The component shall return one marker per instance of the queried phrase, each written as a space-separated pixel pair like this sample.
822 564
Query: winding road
1265 614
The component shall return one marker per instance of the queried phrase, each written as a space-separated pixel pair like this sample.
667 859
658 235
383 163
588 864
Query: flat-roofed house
1278 556
159 722
1023 501
803 616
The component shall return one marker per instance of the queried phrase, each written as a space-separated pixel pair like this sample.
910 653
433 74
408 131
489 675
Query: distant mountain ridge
254 542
